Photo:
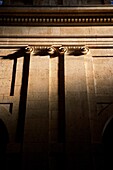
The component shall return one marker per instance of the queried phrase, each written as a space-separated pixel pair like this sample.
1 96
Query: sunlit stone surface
56 89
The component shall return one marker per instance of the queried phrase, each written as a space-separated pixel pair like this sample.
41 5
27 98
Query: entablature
56 16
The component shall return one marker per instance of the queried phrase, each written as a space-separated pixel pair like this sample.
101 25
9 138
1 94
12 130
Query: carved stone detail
58 49
61 16
84 50
41 21
29 49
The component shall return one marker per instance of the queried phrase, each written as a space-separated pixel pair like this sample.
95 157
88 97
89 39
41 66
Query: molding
36 46
59 16
91 41
52 50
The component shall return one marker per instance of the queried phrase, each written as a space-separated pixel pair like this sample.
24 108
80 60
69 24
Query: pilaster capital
56 50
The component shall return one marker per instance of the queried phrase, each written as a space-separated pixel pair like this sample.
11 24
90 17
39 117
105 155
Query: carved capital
29 49
77 50
56 50
84 50
51 50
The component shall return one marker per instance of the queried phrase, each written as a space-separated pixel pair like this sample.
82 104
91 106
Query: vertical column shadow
61 99
61 111
23 99
13 77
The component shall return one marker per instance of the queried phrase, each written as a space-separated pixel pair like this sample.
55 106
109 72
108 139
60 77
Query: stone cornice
59 16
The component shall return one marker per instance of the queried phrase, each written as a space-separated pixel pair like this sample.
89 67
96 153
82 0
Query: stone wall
55 99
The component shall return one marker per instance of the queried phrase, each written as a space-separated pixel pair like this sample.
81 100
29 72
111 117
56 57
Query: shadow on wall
4 139
108 145
17 54
21 52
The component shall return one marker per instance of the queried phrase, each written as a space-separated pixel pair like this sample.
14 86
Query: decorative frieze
100 20
56 16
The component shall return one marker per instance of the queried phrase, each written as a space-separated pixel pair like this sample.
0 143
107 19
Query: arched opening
107 140
4 138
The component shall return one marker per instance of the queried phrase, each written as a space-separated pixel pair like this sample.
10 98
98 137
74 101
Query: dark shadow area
61 158
23 99
45 52
11 108
13 161
75 52
57 3
61 99
108 146
41 52
4 139
97 156
13 77
21 52
60 2
58 159
21 2
28 2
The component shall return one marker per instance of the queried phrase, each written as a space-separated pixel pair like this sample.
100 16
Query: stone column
35 145
56 108
76 110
